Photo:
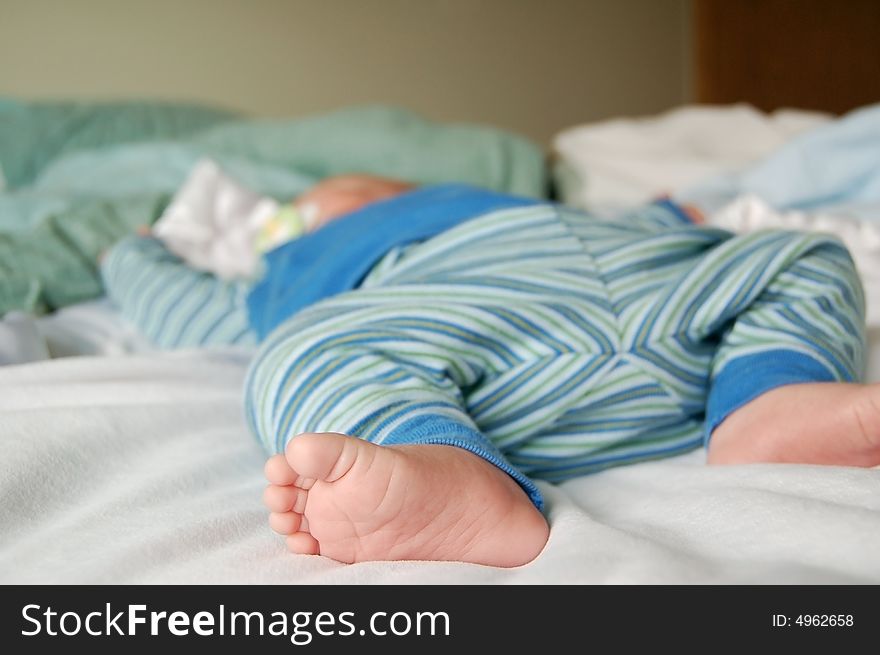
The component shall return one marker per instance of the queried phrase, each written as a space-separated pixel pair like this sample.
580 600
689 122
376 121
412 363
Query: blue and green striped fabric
173 305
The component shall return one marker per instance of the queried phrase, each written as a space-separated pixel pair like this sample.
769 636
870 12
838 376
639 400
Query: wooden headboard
810 54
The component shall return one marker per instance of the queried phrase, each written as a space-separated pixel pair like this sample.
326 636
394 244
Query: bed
124 464
127 465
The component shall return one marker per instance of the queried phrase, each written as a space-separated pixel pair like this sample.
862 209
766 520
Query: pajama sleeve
171 304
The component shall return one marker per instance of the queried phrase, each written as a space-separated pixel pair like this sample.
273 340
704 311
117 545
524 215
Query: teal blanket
80 177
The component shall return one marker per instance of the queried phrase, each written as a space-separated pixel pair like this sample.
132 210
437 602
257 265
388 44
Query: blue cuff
746 378
441 430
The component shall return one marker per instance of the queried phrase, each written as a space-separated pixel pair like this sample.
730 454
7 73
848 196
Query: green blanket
80 177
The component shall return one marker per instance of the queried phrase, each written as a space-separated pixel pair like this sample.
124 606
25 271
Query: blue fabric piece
338 256
833 166
442 430
746 378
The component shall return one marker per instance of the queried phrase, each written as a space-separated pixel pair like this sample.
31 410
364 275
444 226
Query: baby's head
344 194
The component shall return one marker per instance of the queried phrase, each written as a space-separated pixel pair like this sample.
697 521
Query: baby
426 354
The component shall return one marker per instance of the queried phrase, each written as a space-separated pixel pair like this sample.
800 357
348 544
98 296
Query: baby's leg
784 384
429 487
812 423
171 304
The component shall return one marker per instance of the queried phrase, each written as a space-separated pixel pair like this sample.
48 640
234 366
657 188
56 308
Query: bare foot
816 423
354 501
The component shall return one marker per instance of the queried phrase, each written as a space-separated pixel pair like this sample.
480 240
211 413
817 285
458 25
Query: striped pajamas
171 304
554 344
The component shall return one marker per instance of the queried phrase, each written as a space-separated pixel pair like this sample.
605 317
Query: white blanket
626 161
140 469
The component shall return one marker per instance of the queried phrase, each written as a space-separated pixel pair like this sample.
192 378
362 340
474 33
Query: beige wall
530 65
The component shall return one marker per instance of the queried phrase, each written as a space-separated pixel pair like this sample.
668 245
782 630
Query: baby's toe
285 522
304 483
302 544
278 471
285 499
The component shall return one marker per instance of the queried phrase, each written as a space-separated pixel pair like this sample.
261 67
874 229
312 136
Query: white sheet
140 469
